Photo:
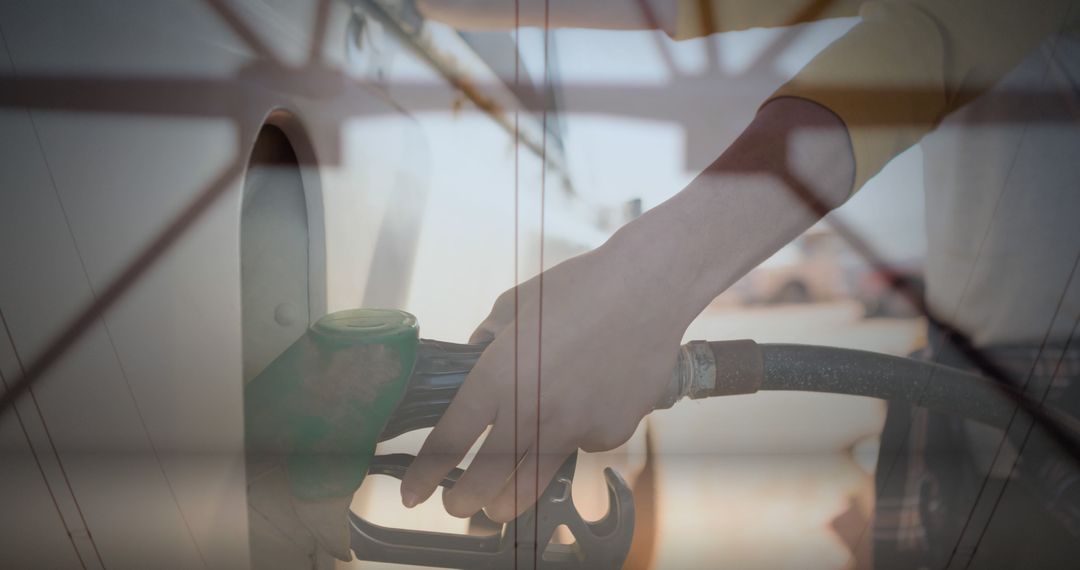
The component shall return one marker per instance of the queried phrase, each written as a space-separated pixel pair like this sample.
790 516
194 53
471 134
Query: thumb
483 334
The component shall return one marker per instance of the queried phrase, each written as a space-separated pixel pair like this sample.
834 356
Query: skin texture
580 354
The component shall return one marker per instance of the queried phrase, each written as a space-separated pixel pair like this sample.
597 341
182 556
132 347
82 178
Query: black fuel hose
724 368
709 369
803 368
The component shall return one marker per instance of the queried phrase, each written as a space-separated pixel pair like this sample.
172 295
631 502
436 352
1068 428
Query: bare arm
584 373
742 208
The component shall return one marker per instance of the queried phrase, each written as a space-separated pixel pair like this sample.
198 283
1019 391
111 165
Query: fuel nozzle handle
440 369
703 369
726 368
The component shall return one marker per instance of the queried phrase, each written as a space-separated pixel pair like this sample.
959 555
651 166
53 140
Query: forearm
791 165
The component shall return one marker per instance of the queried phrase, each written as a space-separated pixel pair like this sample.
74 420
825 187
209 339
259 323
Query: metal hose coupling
706 369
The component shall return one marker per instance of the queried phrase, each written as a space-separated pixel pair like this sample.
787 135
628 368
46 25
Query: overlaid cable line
517 249
37 460
1028 430
37 408
546 90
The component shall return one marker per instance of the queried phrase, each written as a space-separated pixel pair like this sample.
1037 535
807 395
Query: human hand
577 357
581 353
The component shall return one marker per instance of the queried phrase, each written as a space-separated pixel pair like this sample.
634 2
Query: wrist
680 255
660 262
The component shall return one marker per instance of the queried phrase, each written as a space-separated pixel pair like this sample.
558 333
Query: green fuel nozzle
322 405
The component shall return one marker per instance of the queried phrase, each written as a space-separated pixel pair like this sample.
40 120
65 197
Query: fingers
489 470
465 419
503 312
484 333
529 481
610 434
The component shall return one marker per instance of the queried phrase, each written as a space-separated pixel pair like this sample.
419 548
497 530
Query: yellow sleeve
696 18
907 64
